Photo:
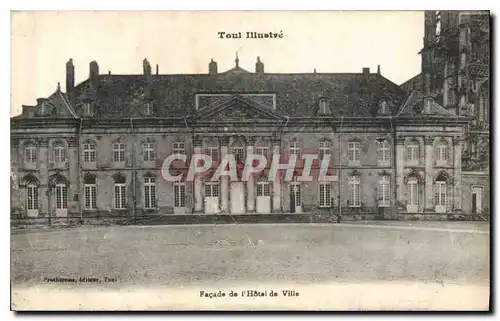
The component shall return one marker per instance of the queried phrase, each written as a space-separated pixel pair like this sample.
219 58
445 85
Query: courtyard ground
386 265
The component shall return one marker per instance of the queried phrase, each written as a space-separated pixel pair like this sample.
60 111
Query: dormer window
383 107
87 107
323 106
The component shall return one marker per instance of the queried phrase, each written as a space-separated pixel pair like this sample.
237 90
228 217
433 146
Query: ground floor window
440 194
212 189
296 194
150 192
324 195
263 189
90 196
384 191
179 195
61 196
32 197
354 191
120 196
412 191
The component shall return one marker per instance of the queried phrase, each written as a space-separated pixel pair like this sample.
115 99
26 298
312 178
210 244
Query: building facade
98 148
456 57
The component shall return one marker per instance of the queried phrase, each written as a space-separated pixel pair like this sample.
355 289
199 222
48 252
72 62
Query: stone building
456 57
98 148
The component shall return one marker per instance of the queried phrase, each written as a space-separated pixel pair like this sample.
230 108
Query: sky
185 41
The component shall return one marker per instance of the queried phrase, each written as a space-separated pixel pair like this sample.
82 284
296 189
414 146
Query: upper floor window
89 152
213 153
118 152
384 108
263 151
413 151
59 153
383 151
353 151
323 106
179 148
30 154
294 148
324 149
239 153
442 152
149 151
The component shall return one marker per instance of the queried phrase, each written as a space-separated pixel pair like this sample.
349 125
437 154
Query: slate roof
123 96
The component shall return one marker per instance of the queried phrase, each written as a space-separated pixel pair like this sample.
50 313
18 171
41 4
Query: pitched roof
416 105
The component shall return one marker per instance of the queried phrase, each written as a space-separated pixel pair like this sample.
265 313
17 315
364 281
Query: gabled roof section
237 108
417 105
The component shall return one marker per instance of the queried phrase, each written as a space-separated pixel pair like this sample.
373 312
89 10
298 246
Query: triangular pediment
238 108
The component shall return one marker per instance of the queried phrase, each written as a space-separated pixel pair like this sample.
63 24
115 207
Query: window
295 189
90 196
325 195
353 151
440 194
263 151
384 191
239 154
88 108
30 154
442 152
179 195
149 152
323 106
59 155
211 189
213 152
61 196
354 191
413 151
324 149
383 151
178 148
149 192
149 108
294 148
383 107
263 189
118 152
32 197
89 152
120 196
412 191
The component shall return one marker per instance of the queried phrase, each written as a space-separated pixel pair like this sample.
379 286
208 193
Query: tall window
120 196
440 194
149 151
90 196
384 191
354 191
61 196
383 151
412 191
323 106
88 108
89 152
32 197
119 152
442 151
212 189
413 151
179 148
149 108
239 153
59 154
263 188
295 189
179 195
353 151
30 154
294 148
324 149
149 192
213 152
325 195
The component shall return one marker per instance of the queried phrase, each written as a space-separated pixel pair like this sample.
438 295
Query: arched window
413 151
32 197
412 192
441 185
383 151
61 196
442 151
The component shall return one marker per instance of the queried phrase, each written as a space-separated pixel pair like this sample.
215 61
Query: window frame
325 189
150 203
119 150
354 191
32 197
89 152
179 194
384 192
90 199
149 151
120 198
30 154
354 152
383 152
263 189
61 194
295 148
210 187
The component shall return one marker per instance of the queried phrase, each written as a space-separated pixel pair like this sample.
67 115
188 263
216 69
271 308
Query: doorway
295 198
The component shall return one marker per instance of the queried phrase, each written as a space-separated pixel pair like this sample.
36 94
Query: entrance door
211 198
237 198
295 198
477 198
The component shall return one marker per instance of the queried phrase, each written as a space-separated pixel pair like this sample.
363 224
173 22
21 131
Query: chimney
378 69
146 67
94 74
157 69
41 104
259 66
70 76
212 67
366 71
